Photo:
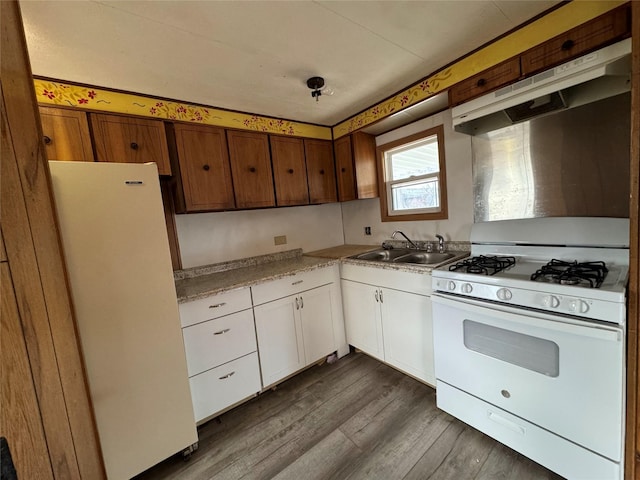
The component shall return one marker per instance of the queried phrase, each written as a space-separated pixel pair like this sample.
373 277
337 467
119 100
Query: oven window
532 353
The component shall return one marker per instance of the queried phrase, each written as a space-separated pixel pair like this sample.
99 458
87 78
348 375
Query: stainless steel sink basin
424 258
383 255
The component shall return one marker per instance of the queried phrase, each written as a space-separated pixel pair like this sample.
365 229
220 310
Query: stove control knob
466 288
578 306
504 294
551 301
451 286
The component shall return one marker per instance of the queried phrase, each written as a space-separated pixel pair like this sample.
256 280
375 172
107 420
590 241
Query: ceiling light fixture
315 84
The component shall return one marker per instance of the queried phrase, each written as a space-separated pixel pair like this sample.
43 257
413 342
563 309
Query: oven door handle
523 317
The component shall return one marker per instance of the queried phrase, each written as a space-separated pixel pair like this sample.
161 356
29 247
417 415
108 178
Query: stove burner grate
587 274
483 265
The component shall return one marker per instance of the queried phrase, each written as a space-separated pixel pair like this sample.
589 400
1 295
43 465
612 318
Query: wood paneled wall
45 400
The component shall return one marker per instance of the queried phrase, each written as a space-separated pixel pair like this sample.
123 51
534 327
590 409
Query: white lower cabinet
214 390
362 317
299 329
391 325
298 320
220 346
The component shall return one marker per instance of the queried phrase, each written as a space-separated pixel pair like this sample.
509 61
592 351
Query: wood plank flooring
354 419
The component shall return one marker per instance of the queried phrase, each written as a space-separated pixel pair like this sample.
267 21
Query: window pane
419 159
415 195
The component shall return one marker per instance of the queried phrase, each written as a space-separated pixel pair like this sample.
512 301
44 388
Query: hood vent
597 75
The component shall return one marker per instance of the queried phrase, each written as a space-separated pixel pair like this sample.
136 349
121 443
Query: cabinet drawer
219 341
221 387
485 81
214 306
291 285
597 33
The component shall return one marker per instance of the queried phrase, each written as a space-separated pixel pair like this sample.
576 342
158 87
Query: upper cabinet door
320 171
344 169
251 169
607 28
289 172
203 168
363 146
66 134
486 81
130 140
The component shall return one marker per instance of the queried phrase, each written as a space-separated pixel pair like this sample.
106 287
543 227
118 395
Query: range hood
597 75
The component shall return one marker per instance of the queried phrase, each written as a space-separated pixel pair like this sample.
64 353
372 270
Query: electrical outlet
367 230
280 240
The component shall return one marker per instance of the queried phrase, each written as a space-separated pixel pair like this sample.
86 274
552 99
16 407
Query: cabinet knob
343 169
47 140
206 168
481 83
134 146
290 170
567 45
252 169
321 172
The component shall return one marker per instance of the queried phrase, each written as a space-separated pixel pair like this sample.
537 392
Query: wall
217 237
361 213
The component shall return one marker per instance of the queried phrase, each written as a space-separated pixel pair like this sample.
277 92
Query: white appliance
529 340
117 255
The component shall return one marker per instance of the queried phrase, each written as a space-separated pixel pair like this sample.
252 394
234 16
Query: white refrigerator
117 255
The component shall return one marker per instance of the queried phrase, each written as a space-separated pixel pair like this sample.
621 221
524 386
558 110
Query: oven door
561 374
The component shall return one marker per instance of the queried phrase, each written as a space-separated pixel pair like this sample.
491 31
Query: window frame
383 184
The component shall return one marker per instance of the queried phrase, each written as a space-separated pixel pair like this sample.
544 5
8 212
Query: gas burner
585 274
483 265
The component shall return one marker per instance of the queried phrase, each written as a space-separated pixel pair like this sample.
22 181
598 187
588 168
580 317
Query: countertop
200 282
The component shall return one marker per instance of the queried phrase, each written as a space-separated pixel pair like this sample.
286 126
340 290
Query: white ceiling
255 56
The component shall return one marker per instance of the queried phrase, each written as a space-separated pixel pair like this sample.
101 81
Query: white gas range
529 340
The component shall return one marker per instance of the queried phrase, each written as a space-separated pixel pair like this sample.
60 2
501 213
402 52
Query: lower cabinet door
221 387
407 324
362 317
317 323
280 341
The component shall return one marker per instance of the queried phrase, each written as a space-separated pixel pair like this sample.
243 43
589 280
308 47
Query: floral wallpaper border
70 95
559 21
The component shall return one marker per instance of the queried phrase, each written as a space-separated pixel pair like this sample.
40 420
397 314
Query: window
413 185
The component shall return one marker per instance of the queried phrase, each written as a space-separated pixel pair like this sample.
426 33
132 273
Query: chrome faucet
440 243
393 235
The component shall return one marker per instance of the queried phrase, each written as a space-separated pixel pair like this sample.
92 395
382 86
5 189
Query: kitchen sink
405 255
424 258
384 255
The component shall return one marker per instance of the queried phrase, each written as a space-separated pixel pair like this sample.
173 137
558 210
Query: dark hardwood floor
354 419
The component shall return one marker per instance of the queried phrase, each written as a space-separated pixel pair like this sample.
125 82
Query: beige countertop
201 282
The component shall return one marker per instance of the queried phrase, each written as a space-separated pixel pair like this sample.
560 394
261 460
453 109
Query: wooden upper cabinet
602 30
289 172
320 171
486 81
251 169
345 174
200 160
130 140
356 167
66 134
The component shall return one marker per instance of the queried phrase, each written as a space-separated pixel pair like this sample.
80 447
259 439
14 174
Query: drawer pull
222 332
224 377
481 82
298 282
500 420
217 305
